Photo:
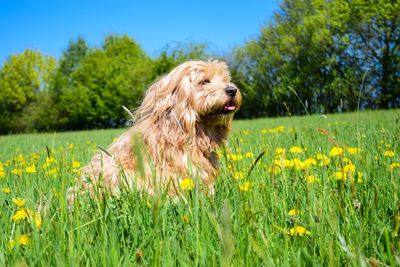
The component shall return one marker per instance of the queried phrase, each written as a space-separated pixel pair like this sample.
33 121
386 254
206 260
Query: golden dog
184 117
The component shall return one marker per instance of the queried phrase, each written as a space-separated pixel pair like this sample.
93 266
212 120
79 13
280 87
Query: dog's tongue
230 106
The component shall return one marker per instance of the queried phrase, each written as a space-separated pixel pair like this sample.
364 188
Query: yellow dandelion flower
310 179
299 165
335 151
294 212
278 129
30 169
274 169
19 201
187 184
284 163
5 190
394 165
323 160
76 164
353 150
71 146
19 215
34 156
17 172
349 168
49 161
246 186
20 160
248 155
37 220
185 219
53 171
388 153
264 131
296 150
279 150
2 173
299 231
245 132
310 162
339 175
235 157
237 175
24 239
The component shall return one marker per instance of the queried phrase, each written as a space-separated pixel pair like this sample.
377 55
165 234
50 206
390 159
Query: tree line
314 56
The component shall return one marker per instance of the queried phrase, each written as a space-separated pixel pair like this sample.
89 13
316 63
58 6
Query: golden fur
184 117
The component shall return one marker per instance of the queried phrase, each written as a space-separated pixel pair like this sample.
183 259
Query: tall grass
278 210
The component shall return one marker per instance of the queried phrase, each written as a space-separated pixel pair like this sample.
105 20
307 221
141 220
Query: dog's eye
205 81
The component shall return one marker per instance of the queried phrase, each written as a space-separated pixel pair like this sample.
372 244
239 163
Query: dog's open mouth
229 107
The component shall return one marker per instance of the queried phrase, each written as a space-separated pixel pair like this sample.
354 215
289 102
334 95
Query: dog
183 119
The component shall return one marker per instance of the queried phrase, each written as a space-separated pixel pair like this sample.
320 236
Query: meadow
293 191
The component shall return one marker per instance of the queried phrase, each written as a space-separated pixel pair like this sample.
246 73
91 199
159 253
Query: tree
106 79
374 34
22 79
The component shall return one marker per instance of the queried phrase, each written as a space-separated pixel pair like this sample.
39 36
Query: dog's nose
231 91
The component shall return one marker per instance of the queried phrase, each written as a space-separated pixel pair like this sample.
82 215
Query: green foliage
23 78
312 58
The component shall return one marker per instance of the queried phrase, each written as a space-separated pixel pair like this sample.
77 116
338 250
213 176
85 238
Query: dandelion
49 161
24 239
237 175
279 150
388 153
5 190
278 129
2 174
37 220
187 184
21 214
274 169
340 175
53 172
31 169
298 231
76 164
246 186
310 179
245 132
296 150
294 212
335 151
235 157
310 162
19 202
20 160
71 146
353 150
323 160
394 165
17 172
34 156
248 155
264 131
185 219
349 168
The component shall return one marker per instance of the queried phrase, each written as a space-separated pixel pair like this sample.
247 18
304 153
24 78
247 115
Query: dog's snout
231 91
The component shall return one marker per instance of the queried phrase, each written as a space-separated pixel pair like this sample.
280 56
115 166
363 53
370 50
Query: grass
284 210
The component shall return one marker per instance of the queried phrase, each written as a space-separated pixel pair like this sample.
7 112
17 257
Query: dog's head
195 91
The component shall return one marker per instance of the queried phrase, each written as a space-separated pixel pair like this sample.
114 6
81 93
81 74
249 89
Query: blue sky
49 25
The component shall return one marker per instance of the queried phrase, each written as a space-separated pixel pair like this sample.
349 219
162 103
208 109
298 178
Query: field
318 190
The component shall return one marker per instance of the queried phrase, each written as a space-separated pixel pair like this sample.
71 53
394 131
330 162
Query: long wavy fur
184 117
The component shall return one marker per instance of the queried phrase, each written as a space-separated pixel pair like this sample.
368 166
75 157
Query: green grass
350 221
